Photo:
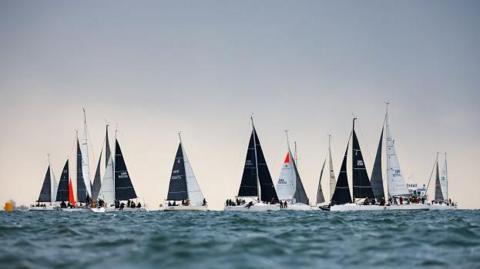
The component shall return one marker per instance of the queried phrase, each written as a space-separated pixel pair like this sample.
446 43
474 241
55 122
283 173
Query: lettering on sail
282 181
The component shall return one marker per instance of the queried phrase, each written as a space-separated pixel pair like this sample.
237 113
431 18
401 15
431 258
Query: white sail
396 182
194 193
53 187
444 180
286 184
107 189
85 158
333 182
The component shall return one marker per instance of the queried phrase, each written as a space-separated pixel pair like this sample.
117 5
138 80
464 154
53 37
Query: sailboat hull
356 207
442 207
46 208
258 207
420 207
298 207
186 208
77 209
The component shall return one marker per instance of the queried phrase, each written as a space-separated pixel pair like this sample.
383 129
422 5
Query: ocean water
449 239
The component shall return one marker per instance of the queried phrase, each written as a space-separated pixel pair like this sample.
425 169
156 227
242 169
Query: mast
259 189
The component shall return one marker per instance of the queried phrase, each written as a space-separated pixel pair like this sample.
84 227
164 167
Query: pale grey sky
156 67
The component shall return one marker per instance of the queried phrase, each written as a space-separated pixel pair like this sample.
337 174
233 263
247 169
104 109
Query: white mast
259 189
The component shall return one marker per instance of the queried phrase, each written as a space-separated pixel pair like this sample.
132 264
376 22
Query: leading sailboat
256 192
184 193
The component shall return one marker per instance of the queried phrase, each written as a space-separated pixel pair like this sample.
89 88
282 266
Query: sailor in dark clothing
204 203
63 205
139 205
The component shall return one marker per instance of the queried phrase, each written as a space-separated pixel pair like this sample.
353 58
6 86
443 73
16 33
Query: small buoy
9 206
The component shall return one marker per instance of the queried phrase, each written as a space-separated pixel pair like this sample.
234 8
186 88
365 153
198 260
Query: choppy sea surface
430 239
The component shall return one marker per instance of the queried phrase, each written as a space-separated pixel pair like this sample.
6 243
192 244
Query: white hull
98 210
356 207
75 209
298 207
442 207
258 207
408 207
47 208
186 208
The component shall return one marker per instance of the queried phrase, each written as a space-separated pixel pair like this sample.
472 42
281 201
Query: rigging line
431 173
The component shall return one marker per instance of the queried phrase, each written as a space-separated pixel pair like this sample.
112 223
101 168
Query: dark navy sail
62 191
248 185
438 186
177 190
266 184
81 188
300 195
46 191
361 183
123 185
320 196
342 191
97 181
377 178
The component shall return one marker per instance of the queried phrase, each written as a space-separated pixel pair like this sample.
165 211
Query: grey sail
438 186
97 181
177 189
361 183
300 195
45 192
320 196
62 191
377 178
81 188
123 184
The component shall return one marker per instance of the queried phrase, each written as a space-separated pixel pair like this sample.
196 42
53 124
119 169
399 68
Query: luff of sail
123 184
62 191
341 194
396 183
320 196
360 181
377 177
46 191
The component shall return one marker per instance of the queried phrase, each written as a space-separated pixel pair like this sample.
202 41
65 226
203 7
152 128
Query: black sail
248 185
438 187
97 181
266 184
361 183
341 195
320 196
377 178
123 184
300 195
46 191
177 189
62 191
81 188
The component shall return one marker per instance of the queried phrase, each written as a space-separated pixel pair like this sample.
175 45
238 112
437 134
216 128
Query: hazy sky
153 68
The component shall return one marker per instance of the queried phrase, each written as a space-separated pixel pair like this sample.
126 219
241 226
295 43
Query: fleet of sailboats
114 191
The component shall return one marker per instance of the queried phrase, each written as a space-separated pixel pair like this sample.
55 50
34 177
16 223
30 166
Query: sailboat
117 192
363 197
441 200
289 187
47 196
184 193
321 201
320 196
399 195
256 192
97 181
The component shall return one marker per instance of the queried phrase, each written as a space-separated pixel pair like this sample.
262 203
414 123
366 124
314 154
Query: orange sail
71 198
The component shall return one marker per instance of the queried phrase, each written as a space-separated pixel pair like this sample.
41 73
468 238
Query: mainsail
341 195
85 160
438 187
289 185
46 191
333 182
377 178
62 191
81 188
256 178
177 189
123 184
320 196
444 179
396 183
360 181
